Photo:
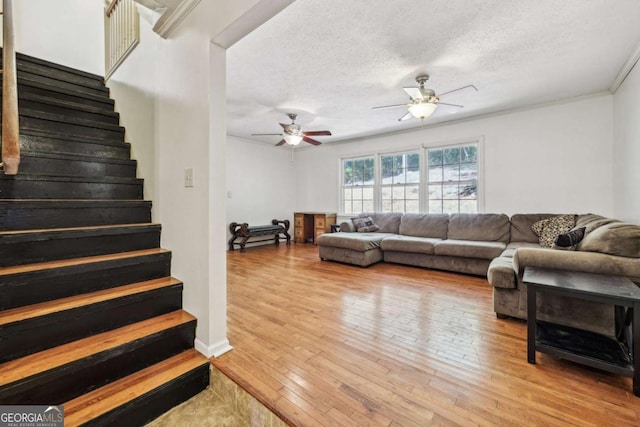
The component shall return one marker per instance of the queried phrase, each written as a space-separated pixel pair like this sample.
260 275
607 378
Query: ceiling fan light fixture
422 110
293 139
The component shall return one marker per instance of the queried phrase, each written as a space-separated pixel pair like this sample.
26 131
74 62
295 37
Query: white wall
68 32
626 157
261 179
555 158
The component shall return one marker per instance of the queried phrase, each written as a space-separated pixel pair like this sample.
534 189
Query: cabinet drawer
320 222
297 222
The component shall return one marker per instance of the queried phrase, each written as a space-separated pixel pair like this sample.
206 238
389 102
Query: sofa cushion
355 241
479 227
469 248
521 227
425 225
422 245
549 229
615 238
389 222
501 273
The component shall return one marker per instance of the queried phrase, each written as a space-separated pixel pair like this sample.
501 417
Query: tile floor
222 404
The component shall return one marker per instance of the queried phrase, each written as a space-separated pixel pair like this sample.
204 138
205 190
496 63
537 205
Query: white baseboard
214 350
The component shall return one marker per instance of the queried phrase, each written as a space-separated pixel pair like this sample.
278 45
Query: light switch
188 177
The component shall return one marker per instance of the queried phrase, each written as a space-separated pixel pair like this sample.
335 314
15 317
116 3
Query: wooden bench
243 230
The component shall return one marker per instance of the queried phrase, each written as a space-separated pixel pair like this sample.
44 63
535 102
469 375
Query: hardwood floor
321 343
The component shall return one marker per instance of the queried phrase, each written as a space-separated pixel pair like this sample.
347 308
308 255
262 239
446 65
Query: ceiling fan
293 133
423 102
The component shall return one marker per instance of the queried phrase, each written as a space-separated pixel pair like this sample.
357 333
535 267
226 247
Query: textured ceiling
330 61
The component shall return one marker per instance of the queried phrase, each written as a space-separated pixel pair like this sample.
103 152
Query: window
357 185
435 180
452 179
400 182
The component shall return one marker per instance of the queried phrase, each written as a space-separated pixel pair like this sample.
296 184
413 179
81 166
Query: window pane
413 161
367 193
412 192
386 205
398 206
387 169
348 172
468 206
450 191
367 206
435 157
452 173
398 192
346 194
435 174
412 206
368 175
385 193
469 190
449 206
358 172
469 153
468 171
435 206
357 207
413 175
451 155
435 191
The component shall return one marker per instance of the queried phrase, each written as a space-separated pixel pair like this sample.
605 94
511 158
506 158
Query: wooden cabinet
307 226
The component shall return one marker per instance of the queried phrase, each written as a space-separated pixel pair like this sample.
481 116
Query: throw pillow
571 238
548 229
364 224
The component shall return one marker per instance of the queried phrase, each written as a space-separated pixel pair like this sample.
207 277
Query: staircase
90 316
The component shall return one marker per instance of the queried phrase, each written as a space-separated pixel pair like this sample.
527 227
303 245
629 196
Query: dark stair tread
43 99
67 178
63 304
59 118
77 157
23 67
98 402
28 268
43 62
71 203
73 138
37 363
14 236
26 81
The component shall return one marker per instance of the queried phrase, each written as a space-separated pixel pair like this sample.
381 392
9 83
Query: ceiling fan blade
389 106
311 141
285 126
468 88
266 134
413 92
282 142
448 108
316 133
405 117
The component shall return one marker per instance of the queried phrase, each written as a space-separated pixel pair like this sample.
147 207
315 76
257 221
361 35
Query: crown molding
165 26
625 70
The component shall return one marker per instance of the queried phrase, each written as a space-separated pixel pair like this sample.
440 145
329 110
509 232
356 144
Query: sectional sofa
500 248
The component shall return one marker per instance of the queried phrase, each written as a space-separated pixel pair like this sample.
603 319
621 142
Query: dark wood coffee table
617 355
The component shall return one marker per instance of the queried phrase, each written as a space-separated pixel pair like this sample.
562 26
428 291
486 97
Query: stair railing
10 123
122 32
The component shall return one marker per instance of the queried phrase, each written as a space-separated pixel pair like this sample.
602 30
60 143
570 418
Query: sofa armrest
347 227
588 262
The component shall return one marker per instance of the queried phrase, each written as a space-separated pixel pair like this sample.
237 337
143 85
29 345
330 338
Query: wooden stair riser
50 79
63 144
43 164
43 247
45 214
44 125
146 408
64 383
40 333
69 110
23 289
15 187
27 86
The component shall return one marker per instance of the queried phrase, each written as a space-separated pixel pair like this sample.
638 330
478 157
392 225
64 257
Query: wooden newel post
10 123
